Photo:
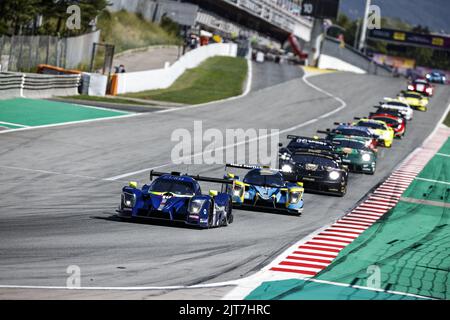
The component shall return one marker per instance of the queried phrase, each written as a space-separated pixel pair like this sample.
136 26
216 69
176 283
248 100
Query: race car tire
297 213
374 169
226 220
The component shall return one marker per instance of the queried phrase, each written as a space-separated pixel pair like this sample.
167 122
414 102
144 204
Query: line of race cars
311 164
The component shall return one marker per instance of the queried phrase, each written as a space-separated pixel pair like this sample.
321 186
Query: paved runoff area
26 113
395 245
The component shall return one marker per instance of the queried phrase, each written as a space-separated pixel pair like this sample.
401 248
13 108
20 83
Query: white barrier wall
164 78
329 62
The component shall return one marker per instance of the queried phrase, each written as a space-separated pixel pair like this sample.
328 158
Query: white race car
394 104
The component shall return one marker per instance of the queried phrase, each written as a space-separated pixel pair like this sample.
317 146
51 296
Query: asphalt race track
58 207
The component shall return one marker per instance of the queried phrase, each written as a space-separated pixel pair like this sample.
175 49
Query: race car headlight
287 168
428 76
285 156
366 157
294 197
334 175
411 88
195 206
128 199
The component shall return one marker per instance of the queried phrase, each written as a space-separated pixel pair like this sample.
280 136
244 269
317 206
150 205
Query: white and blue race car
264 188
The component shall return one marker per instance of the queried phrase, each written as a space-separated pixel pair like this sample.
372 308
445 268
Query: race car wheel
343 191
225 218
210 217
373 171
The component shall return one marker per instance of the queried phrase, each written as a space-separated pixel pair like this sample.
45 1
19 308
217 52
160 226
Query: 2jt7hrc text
227 310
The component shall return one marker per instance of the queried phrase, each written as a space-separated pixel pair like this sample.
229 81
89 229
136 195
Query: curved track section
57 205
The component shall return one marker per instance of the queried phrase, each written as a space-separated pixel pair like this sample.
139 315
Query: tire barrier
24 85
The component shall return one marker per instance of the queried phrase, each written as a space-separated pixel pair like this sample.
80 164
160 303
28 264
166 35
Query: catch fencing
23 85
24 53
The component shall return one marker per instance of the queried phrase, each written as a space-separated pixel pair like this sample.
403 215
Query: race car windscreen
354 132
305 158
299 144
257 178
412 95
371 125
395 104
175 187
389 121
353 144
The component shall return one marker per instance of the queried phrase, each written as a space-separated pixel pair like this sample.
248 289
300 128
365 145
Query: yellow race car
414 99
385 133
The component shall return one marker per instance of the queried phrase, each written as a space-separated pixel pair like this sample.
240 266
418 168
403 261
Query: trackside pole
315 44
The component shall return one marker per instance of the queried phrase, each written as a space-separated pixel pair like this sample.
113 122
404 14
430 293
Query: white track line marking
443 155
74 122
13 124
433 181
56 173
212 285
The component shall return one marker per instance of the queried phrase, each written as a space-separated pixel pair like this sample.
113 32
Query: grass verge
215 79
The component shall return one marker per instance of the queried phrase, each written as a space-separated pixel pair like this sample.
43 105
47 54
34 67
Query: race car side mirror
280 144
213 193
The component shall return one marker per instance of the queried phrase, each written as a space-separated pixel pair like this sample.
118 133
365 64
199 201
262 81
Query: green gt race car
355 154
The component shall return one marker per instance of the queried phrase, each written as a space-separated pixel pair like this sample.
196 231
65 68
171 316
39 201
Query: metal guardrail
15 85
10 81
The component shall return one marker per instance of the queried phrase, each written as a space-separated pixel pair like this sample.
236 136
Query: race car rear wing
248 167
197 177
314 140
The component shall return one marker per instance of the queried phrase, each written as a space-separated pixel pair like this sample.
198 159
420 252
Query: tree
17 15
